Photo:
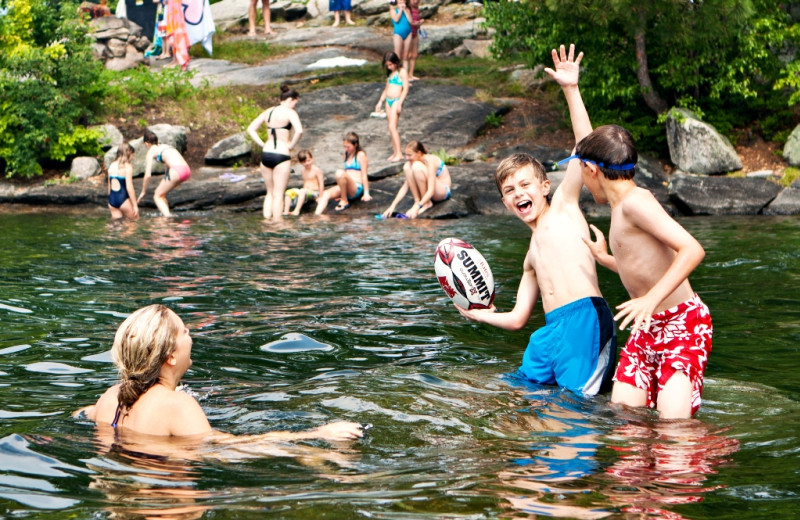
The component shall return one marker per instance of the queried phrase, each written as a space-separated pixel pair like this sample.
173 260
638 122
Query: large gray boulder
84 167
700 195
697 147
228 13
791 151
786 203
286 10
236 148
110 136
107 27
530 79
440 116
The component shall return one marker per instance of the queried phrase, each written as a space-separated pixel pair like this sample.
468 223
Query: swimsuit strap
351 163
272 129
117 414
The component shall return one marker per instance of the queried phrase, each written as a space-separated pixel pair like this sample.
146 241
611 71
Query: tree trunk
651 97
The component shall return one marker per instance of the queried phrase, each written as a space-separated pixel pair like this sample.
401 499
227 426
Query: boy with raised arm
663 361
577 346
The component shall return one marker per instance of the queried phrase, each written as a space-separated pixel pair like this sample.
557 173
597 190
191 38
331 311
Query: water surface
343 319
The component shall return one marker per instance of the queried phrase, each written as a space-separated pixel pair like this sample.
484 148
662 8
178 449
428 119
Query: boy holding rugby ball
577 346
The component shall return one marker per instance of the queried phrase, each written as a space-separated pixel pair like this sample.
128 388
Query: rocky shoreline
443 117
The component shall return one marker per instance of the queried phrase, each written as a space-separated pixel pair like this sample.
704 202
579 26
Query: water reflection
652 465
665 463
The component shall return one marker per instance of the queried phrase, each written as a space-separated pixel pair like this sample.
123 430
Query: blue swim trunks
576 349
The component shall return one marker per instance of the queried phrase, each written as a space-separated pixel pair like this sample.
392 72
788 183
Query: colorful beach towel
176 31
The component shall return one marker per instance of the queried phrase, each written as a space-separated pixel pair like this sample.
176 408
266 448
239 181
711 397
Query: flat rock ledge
443 118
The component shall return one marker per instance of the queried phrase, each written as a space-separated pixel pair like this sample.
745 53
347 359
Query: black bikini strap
272 130
116 415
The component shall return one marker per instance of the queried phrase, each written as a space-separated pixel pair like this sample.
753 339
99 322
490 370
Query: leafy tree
48 84
723 58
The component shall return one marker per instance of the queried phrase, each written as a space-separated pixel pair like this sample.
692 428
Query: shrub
49 84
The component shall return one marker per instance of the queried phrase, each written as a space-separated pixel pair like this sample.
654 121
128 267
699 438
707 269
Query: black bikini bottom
271 160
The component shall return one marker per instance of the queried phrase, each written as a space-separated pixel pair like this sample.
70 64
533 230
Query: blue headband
618 167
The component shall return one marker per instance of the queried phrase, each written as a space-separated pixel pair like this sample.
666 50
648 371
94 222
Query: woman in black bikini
276 163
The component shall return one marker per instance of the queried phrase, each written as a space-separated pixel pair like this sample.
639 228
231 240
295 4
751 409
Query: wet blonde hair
142 344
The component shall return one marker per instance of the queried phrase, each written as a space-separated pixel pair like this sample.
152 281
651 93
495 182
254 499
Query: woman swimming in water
394 93
152 351
428 178
352 182
121 195
177 173
276 163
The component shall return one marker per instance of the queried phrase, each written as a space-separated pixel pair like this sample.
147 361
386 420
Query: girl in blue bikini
394 93
427 177
401 24
121 195
352 182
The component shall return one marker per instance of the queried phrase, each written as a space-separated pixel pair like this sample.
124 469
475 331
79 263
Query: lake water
343 319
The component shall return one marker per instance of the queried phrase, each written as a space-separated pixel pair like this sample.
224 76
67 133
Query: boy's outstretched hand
567 67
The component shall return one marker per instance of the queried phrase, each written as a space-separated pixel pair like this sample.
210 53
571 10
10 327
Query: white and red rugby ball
464 274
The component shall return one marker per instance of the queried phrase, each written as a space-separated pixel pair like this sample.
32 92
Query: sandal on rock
342 206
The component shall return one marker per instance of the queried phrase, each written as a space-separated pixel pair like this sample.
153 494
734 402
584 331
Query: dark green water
452 437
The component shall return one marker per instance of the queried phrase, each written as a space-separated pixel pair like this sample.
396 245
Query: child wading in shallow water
177 171
121 194
665 357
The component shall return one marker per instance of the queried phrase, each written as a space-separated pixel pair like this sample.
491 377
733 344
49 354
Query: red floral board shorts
679 339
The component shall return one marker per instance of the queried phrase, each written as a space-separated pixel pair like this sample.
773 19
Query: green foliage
49 84
446 158
135 87
82 141
494 120
723 58
790 175
66 179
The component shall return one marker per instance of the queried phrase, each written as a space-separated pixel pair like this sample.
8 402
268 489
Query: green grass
247 52
790 174
482 74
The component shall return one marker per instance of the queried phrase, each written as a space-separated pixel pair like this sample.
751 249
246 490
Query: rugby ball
464 274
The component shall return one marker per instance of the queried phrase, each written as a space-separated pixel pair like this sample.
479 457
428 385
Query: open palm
566 66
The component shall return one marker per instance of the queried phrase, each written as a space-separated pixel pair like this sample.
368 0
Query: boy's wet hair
513 163
304 155
610 145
